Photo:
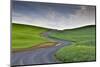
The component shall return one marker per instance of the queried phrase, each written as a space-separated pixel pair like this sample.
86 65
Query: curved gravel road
39 56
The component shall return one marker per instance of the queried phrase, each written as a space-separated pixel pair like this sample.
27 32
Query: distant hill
88 26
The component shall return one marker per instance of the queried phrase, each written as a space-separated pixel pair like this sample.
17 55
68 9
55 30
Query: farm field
26 36
82 47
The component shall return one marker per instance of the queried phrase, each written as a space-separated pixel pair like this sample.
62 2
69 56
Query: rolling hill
82 47
26 36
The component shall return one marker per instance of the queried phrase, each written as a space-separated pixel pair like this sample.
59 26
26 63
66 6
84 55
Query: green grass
25 36
76 54
82 48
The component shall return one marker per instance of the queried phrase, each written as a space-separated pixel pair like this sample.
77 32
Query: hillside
26 36
82 47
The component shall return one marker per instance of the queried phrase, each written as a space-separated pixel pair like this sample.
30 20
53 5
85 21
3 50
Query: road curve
39 56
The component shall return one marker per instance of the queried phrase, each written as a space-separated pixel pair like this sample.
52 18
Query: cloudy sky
55 16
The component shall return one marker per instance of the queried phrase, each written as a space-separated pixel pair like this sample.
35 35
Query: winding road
39 56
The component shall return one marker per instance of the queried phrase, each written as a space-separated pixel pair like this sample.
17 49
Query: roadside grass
76 54
82 48
25 36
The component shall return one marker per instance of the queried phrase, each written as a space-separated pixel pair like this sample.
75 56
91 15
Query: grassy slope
24 36
82 48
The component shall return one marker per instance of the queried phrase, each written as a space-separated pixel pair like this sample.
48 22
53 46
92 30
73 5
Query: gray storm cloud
55 20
